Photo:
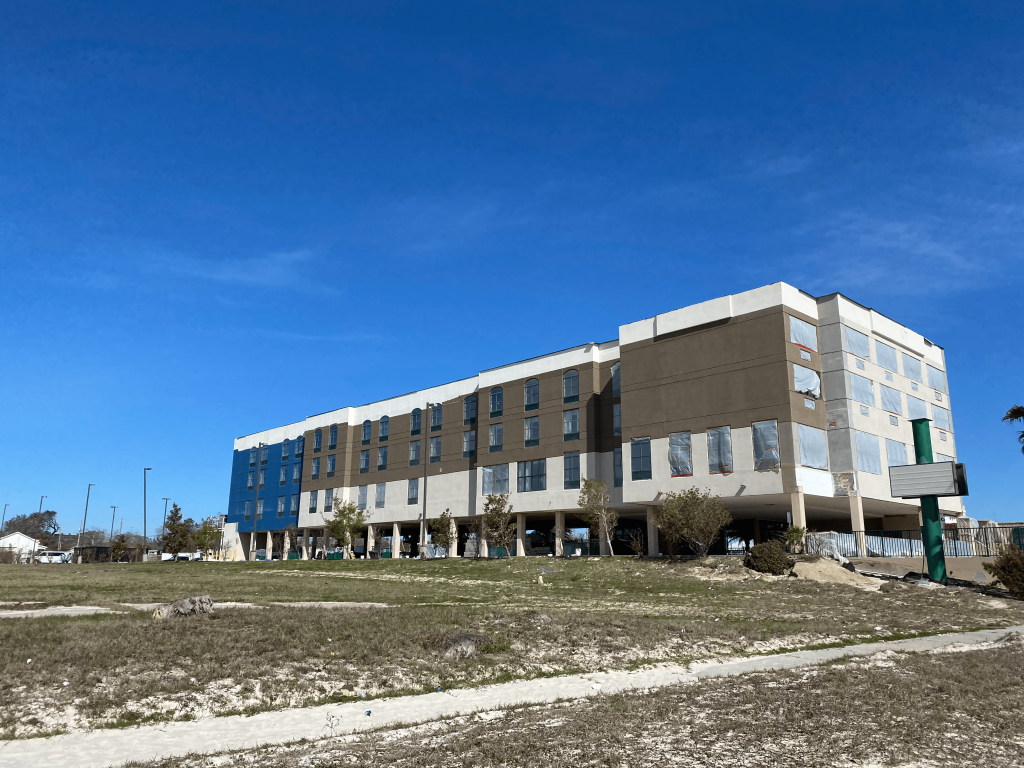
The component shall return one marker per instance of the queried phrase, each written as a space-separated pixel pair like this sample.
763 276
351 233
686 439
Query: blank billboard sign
916 480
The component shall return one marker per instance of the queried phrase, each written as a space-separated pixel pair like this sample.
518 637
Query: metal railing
956 542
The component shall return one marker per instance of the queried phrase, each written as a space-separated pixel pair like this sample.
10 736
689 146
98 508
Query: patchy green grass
588 615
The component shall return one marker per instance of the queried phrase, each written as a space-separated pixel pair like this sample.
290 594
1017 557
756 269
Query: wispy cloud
288 270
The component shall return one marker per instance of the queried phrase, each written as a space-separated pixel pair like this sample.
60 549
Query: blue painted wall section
277 515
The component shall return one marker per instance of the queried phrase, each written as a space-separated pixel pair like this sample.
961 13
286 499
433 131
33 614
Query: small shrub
1009 569
769 557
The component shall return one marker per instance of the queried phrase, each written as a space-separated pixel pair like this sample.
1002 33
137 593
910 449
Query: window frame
332 438
469 436
531 477
469 411
496 397
640 474
415 422
436 417
382 453
318 439
383 429
573 376
493 447
531 442
531 387
568 437
367 430
435 458
571 466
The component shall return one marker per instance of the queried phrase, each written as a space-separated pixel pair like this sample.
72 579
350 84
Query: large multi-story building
789 407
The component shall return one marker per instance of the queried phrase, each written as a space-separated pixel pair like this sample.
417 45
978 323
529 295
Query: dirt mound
831 572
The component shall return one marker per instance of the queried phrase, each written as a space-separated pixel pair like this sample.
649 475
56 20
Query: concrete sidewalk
108 747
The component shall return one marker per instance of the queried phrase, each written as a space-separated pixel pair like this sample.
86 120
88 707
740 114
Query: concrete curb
108 747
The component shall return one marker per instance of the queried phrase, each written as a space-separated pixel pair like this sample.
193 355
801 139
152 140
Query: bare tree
501 525
441 532
348 522
694 517
594 503
636 541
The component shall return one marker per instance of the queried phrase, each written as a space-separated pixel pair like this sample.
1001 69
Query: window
294 511
494 438
680 458
864 411
912 368
382 458
803 334
265 451
248 510
316 468
282 478
571 425
936 379
859 363
436 416
894 421
720 450
259 509
252 457
896 454
383 429
916 408
640 458
938 396
280 506
469 411
888 376
252 476
805 355
414 490
416 421
296 473
300 445
616 382
414 453
332 441
857 344
890 400
942 436
863 391
617 467
435 450
766 445
571 463
943 457
312 501
285 448
616 419
379 498
495 479
364 462
868 457
263 478
497 402
571 387
332 462
941 418
361 498
533 476
531 431
813 447
318 438
366 432
532 395
328 499
886 356
469 444
808 403
806 381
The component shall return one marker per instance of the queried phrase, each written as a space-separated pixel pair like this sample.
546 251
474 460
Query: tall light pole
112 515
423 520
145 538
41 504
256 498
2 519
84 518
164 526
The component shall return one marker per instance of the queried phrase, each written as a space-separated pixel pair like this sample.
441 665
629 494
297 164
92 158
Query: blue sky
222 217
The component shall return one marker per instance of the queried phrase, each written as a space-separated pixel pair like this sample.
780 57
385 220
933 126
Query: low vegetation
769 557
1008 568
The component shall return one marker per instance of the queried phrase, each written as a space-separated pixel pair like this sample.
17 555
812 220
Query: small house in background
24 546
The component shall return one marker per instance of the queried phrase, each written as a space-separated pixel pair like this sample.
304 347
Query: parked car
54 556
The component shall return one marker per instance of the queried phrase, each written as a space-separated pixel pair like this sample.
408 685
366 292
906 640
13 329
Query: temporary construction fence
956 542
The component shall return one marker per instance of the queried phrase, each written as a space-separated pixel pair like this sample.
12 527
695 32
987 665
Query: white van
54 556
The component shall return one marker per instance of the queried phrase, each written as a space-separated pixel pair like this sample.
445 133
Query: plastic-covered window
916 408
868 457
886 356
414 453
318 438
807 381
416 422
333 441
382 457
766 445
616 383
379 501
940 417
495 479
720 450
912 368
813 447
361 504
803 334
680 459
384 428
863 391
312 501
857 344
936 379
890 400
896 453
366 430
285 449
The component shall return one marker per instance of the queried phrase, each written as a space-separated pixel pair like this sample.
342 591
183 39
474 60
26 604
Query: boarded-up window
940 416
896 453
890 400
495 479
765 436
886 356
720 450
807 381
813 447
803 333
916 408
680 460
857 344
862 389
869 458
936 379
912 368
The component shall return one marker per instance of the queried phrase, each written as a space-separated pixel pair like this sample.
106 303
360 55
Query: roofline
872 309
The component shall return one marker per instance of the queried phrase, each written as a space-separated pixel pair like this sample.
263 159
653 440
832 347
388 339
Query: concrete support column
305 544
453 549
602 539
423 537
269 547
326 542
287 544
857 522
371 540
252 543
799 512
559 534
482 544
520 535
653 550
396 540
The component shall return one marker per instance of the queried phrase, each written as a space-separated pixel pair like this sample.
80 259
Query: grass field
128 668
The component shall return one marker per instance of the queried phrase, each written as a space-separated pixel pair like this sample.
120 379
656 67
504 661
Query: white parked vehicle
54 556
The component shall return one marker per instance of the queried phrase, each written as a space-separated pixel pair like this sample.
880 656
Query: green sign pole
931 528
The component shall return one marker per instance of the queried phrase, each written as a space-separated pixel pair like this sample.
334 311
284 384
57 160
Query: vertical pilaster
286 547
799 511
396 540
453 549
857 522
423 537
305 544
653 550
371 540
482 544
559 534
520 535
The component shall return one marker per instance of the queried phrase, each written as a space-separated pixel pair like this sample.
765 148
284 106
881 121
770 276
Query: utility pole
164 526
40 512
112 515
84 518
2 519
931 520
145 537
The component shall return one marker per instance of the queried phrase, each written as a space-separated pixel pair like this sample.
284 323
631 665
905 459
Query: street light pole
145 537
112 516
2 519
84 518
423 520
164 526
255 498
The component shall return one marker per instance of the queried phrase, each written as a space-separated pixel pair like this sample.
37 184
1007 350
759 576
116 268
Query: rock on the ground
187 606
